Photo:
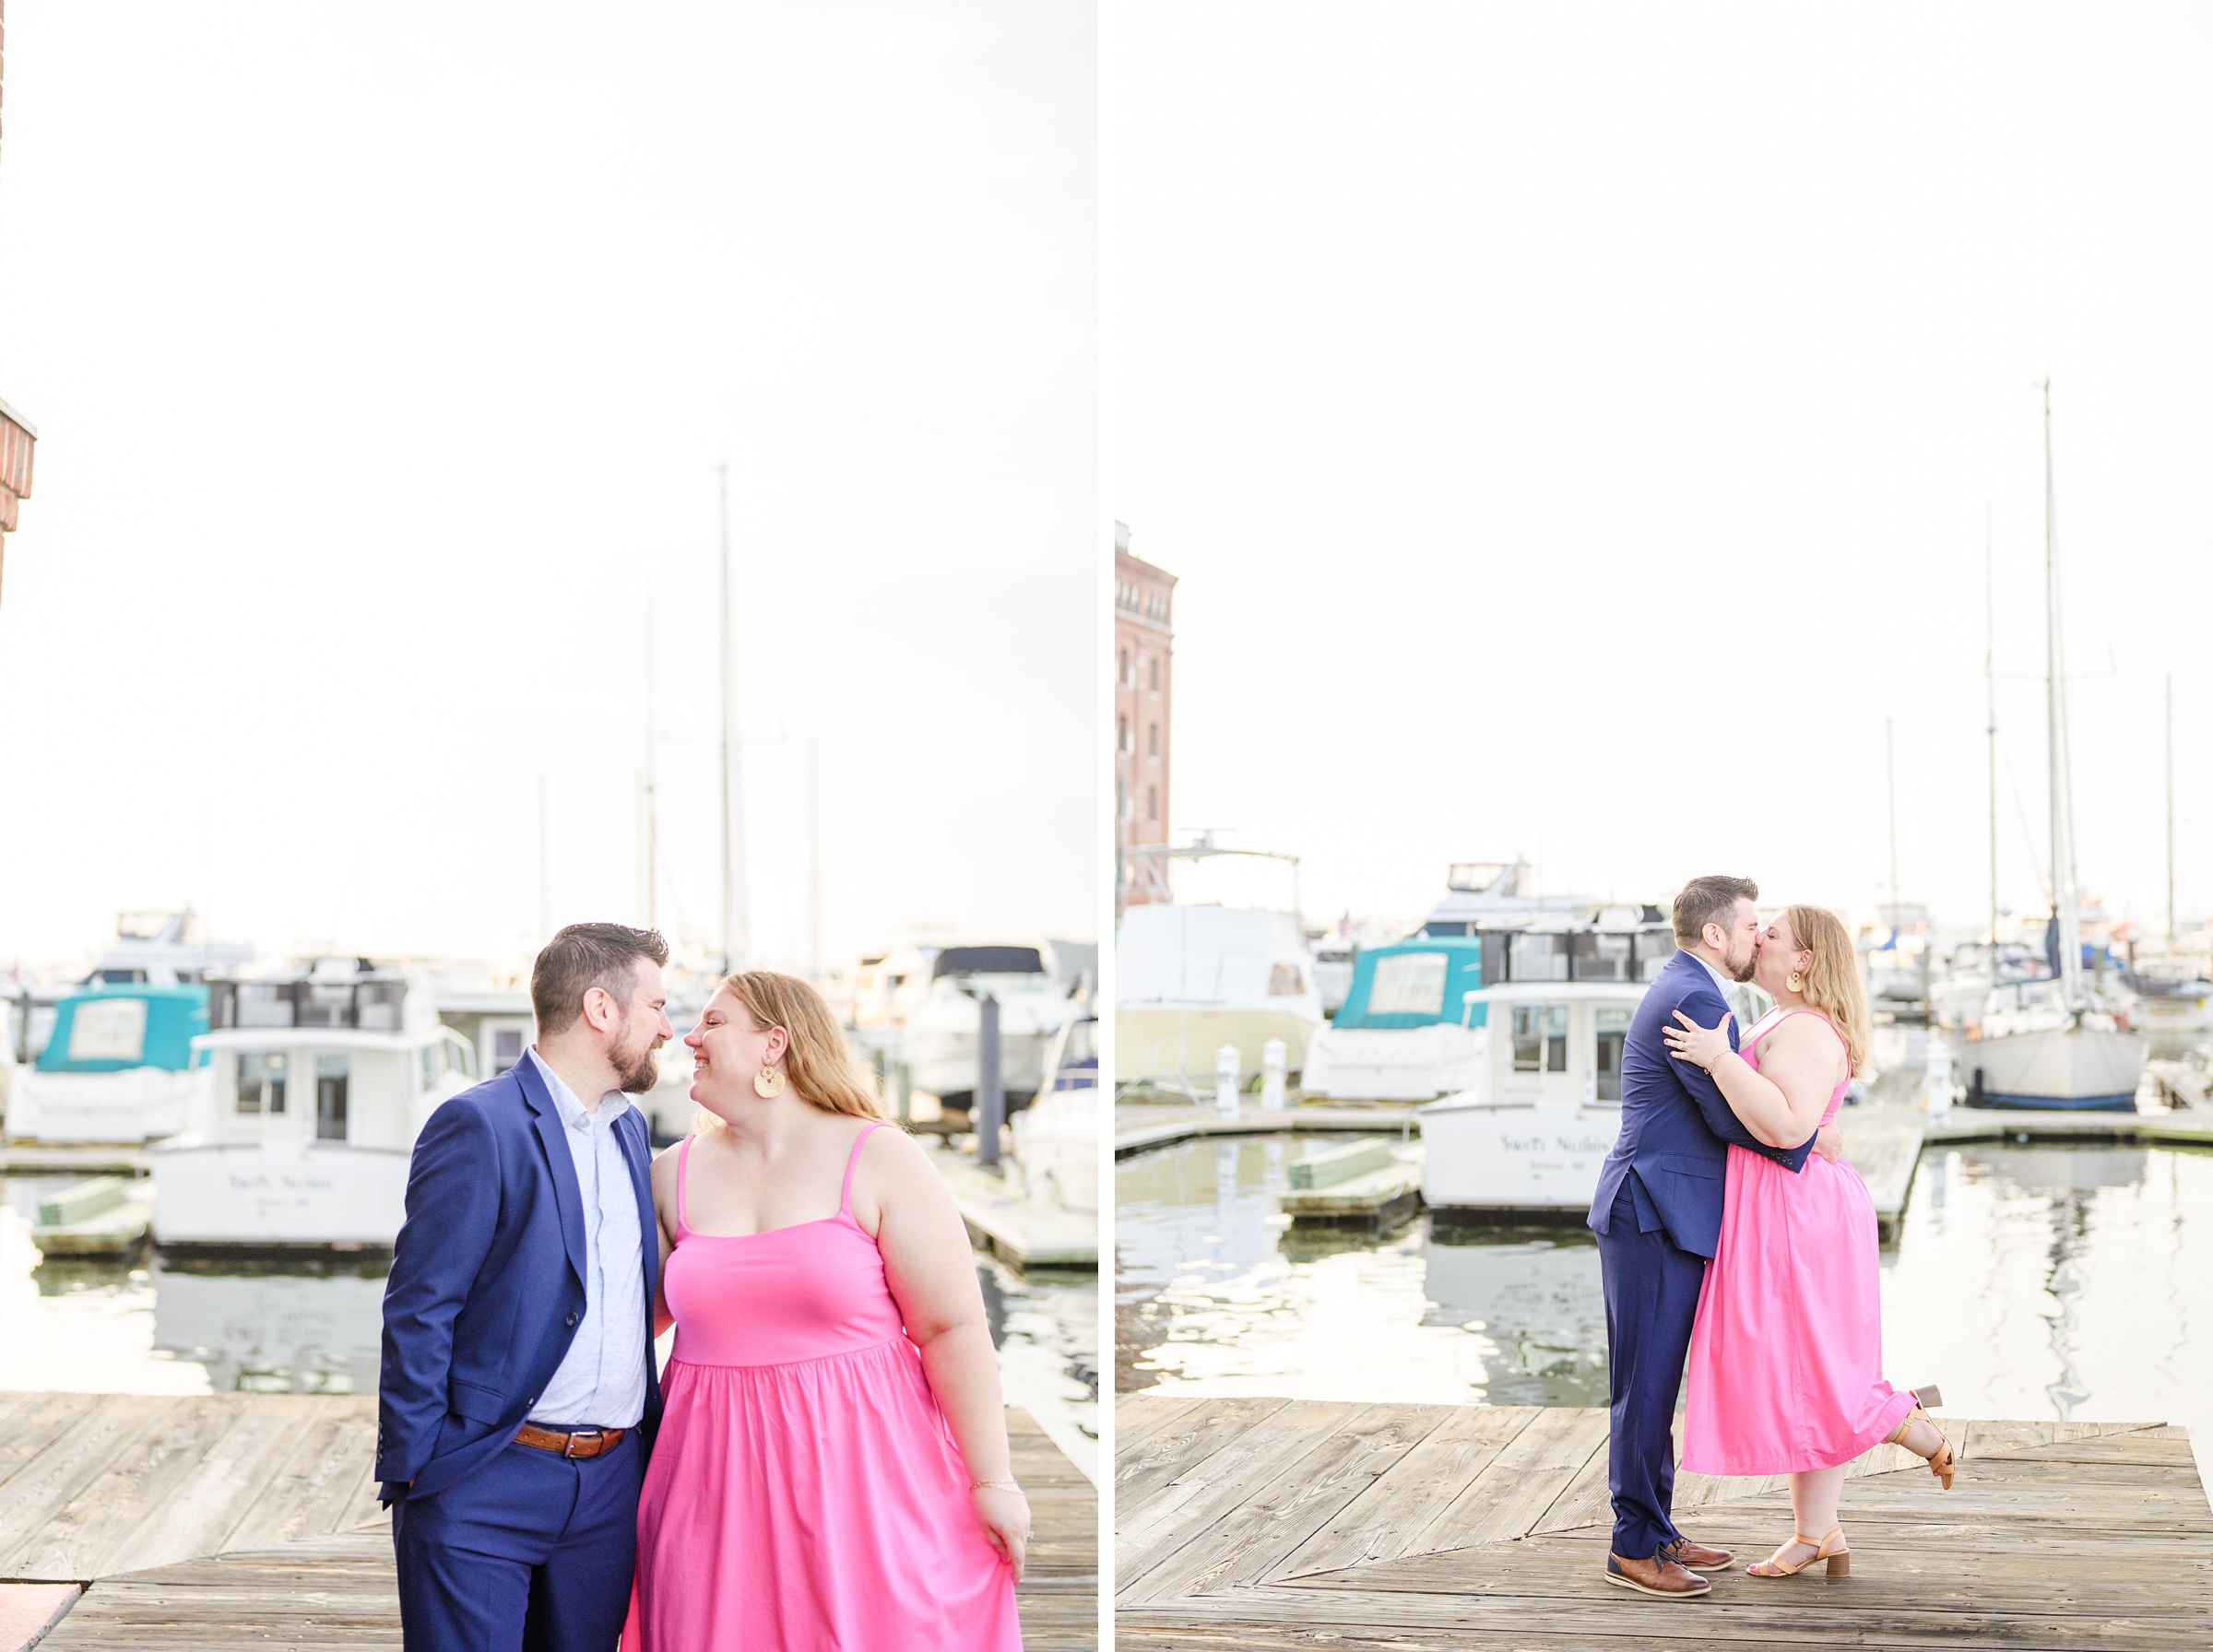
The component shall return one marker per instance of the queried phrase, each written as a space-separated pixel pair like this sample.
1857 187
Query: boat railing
371 1006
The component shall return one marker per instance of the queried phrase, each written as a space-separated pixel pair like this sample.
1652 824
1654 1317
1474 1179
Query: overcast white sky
1572 426
381 362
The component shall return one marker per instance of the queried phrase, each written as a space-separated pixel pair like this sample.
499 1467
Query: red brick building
1144 634
16 432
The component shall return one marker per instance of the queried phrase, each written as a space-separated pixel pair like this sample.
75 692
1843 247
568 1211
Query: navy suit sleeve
451 1221
1706 1010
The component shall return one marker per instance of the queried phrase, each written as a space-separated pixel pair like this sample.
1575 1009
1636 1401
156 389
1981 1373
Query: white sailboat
2078 1059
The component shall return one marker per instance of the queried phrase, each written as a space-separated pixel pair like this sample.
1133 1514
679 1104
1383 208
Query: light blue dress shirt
601 1382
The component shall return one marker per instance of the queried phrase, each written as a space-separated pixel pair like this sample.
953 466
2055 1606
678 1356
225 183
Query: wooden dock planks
227 1520
1446 1526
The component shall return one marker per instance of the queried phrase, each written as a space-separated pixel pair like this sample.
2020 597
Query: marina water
2062 1281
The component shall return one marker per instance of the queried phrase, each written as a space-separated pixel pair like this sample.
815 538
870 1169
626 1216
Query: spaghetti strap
845 1194
683 1163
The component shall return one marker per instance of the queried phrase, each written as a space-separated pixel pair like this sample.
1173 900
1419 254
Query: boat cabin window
1408 984
1283 981
1598 957
1655 950
1539 1038
333 1073
108 1030
506 1048
1613 1031
1540 957
261 1082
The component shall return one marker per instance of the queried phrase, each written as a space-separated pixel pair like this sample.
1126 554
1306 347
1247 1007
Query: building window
1152 803
1155 685
1122 734
1124 678
1152 742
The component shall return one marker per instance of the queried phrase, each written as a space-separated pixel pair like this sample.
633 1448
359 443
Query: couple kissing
1733 1232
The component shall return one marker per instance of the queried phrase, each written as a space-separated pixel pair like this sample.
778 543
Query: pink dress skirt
804 1492
1786 1354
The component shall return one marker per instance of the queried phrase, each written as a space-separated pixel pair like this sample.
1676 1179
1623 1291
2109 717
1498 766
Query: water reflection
2061 1281
147 1324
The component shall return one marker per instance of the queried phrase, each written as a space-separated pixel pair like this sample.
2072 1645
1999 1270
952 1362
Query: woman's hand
1005 1517
1701 1047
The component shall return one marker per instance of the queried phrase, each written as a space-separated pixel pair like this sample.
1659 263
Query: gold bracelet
994 1485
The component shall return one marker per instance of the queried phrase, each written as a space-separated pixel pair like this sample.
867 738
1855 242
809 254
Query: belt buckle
576 1434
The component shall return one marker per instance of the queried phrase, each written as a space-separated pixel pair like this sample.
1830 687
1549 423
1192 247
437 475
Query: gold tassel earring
768 1083
1795 983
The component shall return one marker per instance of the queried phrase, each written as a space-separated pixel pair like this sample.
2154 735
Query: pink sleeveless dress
1786 1354
804 1492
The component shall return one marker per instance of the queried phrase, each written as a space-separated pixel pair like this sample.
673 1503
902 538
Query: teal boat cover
107 1028
1416 983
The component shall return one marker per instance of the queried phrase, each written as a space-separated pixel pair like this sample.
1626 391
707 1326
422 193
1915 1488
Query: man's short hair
1705 901
583 956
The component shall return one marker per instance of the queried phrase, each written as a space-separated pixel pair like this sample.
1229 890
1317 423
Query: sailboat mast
1990 697
2171 809
2064 900
733 824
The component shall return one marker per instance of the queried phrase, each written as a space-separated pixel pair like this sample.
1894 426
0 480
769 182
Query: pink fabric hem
1895 1409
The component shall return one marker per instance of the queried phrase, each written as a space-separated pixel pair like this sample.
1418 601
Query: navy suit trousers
532 1552
1651 1299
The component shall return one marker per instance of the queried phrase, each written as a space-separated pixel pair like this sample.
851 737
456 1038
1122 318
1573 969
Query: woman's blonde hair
1832 980
819 1063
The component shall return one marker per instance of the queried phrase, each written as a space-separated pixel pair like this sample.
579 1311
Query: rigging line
2013 784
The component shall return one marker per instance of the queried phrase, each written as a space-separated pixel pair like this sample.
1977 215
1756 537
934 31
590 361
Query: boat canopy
1419 983
109 1029
987 961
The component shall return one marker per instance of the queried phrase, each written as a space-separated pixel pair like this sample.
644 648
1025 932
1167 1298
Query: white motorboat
320 1083
942 1038
1057 1136
1530 1134
118 1067
1407 1032
1192 980
1401 1035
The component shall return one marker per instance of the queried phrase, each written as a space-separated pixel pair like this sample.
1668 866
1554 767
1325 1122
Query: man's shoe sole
1627 1582
1718 1566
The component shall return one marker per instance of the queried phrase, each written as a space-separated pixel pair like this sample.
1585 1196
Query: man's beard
637 1070
1743 972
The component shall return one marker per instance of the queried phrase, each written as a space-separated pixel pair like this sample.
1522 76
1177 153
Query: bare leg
1814 1497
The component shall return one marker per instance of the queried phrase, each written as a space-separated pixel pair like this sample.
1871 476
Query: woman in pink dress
832 1471
1786 1353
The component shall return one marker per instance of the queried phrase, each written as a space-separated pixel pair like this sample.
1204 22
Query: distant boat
1193 977
1057 1136
118 1067
2075 1056
1400 1034
943 1033
320 1081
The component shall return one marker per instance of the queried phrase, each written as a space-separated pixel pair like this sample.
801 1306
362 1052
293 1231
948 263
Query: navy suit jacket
1675 1128
487 1284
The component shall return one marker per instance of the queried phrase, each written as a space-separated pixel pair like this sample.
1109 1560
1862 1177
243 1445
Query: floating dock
213 1522
1274 1524
1022 1231
1141 1128
1365 1182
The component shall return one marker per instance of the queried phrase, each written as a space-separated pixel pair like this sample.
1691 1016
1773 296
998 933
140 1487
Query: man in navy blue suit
1658 1216
518 1394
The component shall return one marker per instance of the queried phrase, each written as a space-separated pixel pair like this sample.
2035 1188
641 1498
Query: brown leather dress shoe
1658 1576
1697 1557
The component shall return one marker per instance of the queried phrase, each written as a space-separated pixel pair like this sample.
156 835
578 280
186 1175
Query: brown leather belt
577 1442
